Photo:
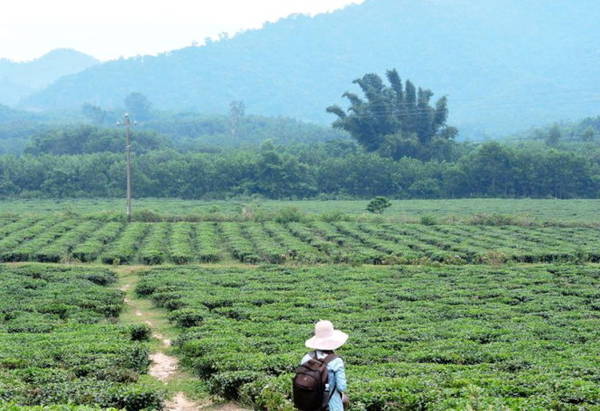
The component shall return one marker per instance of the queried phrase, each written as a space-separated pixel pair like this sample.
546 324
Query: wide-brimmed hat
326 337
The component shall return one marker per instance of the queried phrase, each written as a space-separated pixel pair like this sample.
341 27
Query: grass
567 211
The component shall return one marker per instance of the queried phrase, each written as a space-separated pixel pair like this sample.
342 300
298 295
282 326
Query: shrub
493 219
334 216
147 216
227 384
187 317
136 398
140 332
428 220
378 205
290 215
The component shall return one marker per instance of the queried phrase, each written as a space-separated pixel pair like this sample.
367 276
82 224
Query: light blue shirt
336 381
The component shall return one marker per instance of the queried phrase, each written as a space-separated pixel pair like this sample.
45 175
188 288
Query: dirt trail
164 367
181 403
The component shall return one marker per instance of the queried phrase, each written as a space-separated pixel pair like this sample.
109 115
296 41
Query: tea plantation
435 338
473 314
57 239
58 343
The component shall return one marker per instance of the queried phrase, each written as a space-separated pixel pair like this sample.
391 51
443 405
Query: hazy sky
108 29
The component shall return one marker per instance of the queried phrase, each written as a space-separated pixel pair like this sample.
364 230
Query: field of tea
59 343
551 210
476 312
472 337
77 239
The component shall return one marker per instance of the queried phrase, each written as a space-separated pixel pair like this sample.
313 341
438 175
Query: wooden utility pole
127 124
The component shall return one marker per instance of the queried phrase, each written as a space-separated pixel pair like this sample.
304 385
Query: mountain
504 64
20 79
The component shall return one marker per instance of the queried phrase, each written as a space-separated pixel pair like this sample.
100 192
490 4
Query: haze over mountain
504 64
19 79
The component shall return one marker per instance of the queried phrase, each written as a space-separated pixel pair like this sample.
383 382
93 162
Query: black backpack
309 384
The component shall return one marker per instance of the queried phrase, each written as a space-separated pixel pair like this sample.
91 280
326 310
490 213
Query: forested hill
19 79
505 64
8 115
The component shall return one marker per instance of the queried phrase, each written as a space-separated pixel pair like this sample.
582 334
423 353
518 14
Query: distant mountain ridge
19 79
504 64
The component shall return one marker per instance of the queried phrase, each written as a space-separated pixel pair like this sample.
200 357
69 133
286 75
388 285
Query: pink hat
326 337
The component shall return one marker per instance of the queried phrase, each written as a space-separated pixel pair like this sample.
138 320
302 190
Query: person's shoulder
336 364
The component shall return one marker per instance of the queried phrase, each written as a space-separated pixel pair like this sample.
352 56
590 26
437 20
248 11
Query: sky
109 29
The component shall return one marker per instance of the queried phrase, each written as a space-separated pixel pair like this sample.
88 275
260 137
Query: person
324 343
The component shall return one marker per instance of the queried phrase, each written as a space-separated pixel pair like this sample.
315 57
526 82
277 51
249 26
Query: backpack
309 384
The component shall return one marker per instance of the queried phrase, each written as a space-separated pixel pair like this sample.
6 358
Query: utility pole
127 124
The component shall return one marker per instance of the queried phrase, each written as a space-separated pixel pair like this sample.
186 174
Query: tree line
328 170
401 147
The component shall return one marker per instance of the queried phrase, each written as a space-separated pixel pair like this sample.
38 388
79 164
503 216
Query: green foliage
90 248
549 212
554 136
493 219
123 250
94 113
420 337
181 249
566 135
58 344
378 205
138 106
276 172
334 216
589 134
91 139
187 317
154 247
397 120
290 215
292 237
429 220
140 332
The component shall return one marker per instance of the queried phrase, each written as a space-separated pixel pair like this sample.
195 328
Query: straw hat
326 337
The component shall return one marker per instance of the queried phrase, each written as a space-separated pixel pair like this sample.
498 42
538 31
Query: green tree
94 113
491 170
378 205
237 111
588 134
396 120
554 135
87 139
138 106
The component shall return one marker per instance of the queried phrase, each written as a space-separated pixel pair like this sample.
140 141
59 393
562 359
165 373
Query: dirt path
181 403
164 367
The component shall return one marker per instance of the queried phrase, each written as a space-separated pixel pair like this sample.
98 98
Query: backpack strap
326 361
330 358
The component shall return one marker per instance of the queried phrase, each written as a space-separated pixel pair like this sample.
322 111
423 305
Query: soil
181 403
163 367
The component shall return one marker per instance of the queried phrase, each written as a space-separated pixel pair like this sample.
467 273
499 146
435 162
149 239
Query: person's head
326 337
